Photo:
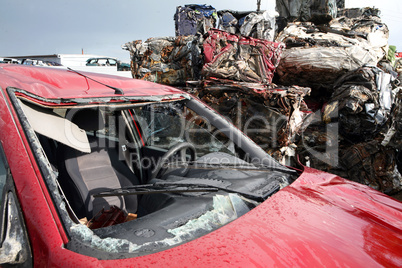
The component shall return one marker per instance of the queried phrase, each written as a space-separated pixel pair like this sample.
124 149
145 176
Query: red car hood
320 220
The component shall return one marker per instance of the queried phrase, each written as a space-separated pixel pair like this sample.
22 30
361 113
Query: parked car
108 171
121 66
31 62
9 61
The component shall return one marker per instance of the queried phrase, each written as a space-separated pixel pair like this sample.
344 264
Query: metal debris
372 164
336 104
175 60
193 19
270 115
166 60
317 55
259 24
241 58
318 11
363 101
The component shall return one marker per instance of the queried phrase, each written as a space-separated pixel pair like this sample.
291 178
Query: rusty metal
240 58
322 69
168 60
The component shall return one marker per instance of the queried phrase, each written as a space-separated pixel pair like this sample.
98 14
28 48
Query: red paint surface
39 220
55 83
321 220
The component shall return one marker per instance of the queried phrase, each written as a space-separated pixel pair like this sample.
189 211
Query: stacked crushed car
322 87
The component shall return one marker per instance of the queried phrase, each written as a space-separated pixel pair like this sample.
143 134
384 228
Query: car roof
101 58
57 83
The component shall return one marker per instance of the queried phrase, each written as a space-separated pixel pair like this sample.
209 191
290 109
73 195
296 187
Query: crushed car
109 171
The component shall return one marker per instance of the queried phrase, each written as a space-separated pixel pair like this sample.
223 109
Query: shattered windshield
166 124
112 170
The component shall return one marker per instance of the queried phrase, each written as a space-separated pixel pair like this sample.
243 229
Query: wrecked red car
107 171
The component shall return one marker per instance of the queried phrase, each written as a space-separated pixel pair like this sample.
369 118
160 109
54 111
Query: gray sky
102 26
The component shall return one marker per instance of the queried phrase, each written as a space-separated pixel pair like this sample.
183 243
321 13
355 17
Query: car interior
153 167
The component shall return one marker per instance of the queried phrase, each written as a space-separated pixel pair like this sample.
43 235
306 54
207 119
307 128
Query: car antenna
116 89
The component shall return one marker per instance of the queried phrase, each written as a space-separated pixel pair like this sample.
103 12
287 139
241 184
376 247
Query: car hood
320 219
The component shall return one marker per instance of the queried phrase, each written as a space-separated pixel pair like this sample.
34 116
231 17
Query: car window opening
166 168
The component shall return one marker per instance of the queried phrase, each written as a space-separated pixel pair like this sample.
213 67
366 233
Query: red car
107 171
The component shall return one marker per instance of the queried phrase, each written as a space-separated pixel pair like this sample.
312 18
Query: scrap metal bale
256 24
317 55
318 11
374 165
193 19
363 101
240 58
367 112
319 67
270 115
166 60
369 163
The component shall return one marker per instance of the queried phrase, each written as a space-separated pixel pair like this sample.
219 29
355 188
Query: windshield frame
75 235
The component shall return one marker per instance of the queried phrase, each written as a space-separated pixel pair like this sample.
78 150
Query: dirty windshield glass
166 124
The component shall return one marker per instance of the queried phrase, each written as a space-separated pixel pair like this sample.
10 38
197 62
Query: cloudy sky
102 26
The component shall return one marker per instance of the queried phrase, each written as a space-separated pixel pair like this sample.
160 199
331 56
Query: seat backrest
84 174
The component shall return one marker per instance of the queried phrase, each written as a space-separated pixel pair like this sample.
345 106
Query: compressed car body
190 19
240 58
176 60
220 201
317 55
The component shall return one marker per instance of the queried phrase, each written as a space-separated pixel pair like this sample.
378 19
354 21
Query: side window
13 233
112 62
102 62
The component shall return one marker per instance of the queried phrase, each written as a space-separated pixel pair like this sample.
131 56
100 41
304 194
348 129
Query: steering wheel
182 149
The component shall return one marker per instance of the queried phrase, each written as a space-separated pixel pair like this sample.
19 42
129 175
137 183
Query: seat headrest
88 119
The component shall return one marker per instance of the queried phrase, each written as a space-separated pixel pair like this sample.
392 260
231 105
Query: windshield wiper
182 187
157 188
261 196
